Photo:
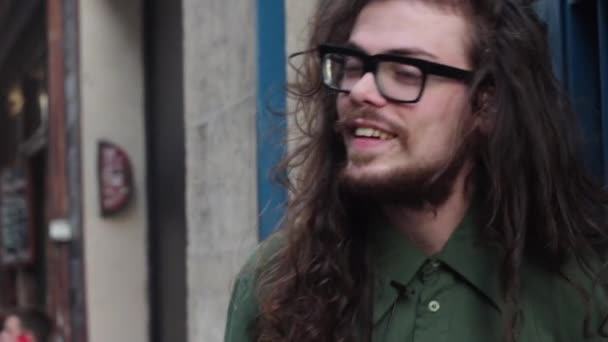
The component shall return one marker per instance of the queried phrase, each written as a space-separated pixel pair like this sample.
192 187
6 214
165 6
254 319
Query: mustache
346 122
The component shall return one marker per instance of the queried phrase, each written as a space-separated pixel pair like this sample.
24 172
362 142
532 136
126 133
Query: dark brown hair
537 199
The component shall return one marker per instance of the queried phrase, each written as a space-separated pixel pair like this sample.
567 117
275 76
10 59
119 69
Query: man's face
418 140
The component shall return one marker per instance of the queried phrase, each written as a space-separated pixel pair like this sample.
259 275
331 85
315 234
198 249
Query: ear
484 111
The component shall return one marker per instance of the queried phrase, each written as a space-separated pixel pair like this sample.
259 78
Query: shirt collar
396 259
477 261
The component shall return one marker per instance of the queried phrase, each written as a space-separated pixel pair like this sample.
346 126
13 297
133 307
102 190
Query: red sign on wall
115 178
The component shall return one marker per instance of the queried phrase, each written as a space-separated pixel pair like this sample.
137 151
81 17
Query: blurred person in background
14 331
439 194
5 336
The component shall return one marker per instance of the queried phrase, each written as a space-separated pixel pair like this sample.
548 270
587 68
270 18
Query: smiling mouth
372 133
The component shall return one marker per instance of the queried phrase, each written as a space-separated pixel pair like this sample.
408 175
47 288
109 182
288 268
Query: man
438 194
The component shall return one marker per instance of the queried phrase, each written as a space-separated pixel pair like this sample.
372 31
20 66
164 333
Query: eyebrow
405 51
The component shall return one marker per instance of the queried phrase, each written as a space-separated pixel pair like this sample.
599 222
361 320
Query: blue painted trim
578 34
271 127
602 23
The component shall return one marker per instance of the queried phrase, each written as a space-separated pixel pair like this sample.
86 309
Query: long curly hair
537 199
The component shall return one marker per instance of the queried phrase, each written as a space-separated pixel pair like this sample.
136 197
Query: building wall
112 102
298 15
220 119
220 108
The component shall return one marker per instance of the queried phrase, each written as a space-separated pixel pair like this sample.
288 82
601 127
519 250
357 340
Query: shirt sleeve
242 311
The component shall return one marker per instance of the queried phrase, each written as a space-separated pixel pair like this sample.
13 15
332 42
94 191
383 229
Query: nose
365 92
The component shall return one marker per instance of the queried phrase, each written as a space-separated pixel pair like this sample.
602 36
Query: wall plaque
115 178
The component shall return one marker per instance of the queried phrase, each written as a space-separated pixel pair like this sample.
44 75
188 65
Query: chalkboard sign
15 217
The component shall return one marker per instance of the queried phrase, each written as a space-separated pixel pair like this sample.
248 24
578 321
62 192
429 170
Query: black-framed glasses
398 78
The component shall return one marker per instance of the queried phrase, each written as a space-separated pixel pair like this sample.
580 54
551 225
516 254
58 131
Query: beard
428 185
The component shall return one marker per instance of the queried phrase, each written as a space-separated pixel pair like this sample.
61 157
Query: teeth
364 132
367 132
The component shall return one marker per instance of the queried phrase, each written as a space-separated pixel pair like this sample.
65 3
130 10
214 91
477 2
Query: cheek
440 118
342 104
445 104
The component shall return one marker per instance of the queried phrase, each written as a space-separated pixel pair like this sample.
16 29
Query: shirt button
434 306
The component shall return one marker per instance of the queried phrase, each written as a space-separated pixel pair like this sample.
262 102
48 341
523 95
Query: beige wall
220 116
297 19
220 107
112 95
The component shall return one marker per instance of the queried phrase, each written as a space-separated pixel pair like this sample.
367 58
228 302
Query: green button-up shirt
452 296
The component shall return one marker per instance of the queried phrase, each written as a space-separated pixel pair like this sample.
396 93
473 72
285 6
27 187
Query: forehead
385 25
13 320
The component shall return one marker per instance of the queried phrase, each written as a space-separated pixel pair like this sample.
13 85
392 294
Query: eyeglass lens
397 81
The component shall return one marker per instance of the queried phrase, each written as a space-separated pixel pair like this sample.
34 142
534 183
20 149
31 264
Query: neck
430 228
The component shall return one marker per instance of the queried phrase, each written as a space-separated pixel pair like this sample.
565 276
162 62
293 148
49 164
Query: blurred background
136 143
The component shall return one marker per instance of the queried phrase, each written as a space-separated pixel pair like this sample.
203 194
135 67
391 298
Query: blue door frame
271 124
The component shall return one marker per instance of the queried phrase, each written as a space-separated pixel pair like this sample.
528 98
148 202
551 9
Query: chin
366 174
413 187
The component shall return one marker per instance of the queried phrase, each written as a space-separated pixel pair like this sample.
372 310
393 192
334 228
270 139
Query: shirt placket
433 307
